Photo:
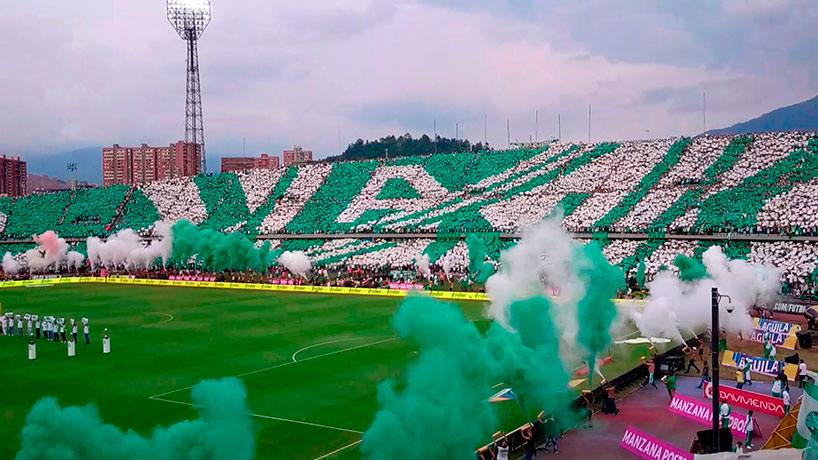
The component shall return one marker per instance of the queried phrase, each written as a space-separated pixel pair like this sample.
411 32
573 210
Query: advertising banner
209 282
780 327
784 307
779 340
701 413
758 365
648 447
405 286
747 399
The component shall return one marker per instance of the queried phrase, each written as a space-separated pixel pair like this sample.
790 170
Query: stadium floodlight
190 18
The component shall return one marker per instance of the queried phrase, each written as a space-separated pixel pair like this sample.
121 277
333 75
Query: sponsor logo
780 327
648 447
701 413
784 307
747 399
779 340
758 365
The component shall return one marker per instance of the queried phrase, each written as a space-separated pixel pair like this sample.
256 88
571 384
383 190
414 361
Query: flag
503 395
809 404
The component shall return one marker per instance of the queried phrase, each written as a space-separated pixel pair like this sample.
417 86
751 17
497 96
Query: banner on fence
747 399
649 447
758 365
785 307
779 340
768 325
701 413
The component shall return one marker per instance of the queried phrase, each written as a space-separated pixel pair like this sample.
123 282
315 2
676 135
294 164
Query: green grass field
310 362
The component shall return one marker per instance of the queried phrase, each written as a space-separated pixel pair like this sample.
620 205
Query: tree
405 145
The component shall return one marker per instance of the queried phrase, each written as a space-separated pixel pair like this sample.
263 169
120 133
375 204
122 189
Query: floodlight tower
190 18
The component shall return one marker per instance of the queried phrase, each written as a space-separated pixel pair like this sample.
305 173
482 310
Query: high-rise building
244 163
296 155
140 165
12 176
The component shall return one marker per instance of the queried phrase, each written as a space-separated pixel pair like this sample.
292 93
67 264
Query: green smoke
689 269
222 432
640 274
479 268
439 409
529 358
217 251
596 311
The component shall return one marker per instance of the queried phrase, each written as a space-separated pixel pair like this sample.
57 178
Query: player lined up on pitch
48 328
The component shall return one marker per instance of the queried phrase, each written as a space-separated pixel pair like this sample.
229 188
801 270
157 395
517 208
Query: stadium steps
120 210
781 438
71 197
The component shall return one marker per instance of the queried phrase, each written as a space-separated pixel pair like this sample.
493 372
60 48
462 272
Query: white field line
277 366
269 417
170 318
352 444
348 339
628 335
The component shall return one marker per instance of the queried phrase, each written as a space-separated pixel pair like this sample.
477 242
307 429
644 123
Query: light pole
715 338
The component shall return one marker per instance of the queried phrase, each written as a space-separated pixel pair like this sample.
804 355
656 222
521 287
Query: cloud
297 73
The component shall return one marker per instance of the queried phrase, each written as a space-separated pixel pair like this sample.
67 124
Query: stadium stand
646 201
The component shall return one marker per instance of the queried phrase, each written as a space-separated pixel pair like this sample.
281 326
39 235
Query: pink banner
648 447
747 399
701 413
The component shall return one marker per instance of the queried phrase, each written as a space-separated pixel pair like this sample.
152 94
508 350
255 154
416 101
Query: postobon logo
708 390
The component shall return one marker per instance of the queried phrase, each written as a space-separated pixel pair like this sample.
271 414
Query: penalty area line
308 347
352 444
270 417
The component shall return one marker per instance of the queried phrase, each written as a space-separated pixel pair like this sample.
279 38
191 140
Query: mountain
88 160
41 183
802 116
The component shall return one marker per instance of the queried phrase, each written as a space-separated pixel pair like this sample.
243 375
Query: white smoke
10 265
422 262
50 253
126 249
543 262
295 261
446 265
74 260
676 307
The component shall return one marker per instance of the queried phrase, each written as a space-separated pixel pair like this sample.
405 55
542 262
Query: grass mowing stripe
277 366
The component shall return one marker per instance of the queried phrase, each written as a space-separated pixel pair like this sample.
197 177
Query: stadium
413 297
311 344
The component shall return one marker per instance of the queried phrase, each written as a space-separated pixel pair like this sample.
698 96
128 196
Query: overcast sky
96 72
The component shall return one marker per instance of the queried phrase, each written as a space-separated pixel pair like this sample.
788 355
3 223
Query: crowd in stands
176 199
306 183
762 184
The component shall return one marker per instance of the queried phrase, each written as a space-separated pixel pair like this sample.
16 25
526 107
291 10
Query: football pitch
310 362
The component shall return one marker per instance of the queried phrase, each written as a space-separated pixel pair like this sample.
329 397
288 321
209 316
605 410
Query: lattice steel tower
190 18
